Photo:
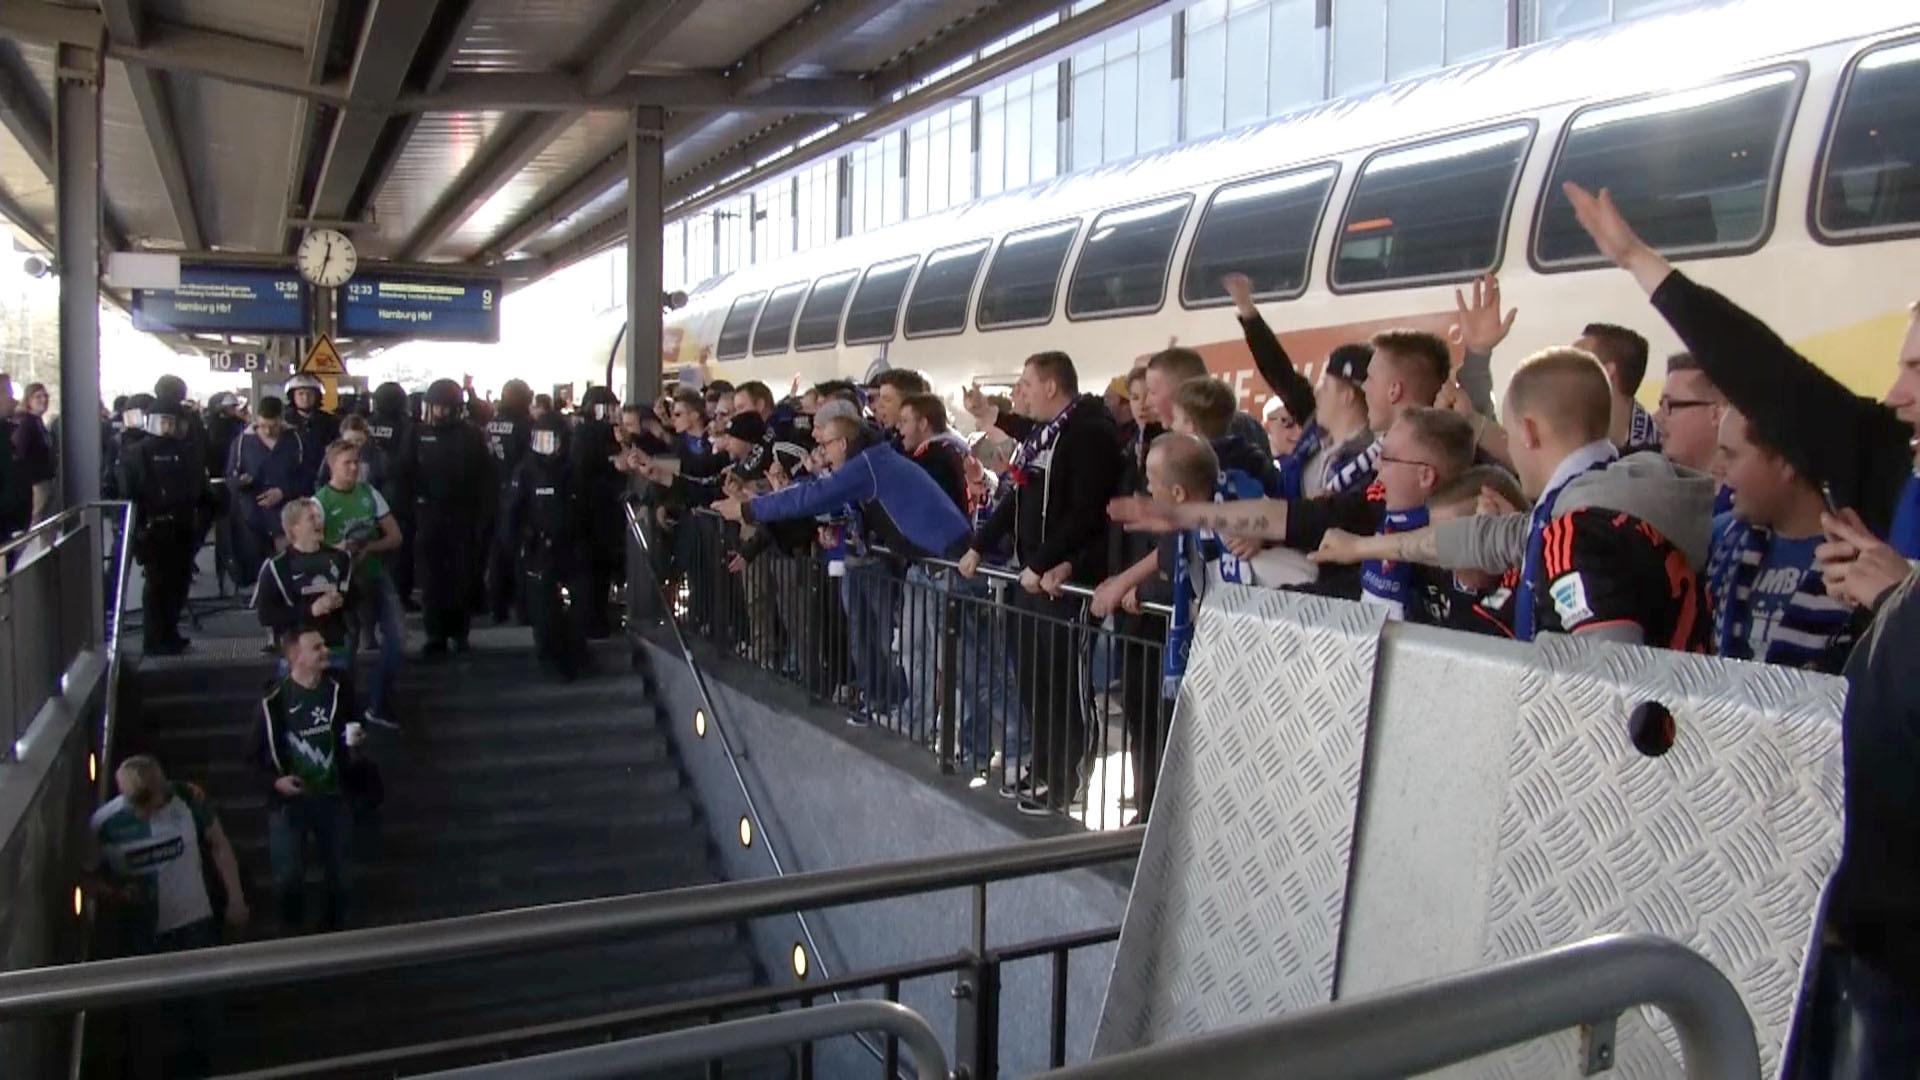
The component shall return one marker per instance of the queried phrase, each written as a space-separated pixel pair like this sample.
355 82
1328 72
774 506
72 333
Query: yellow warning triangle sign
323 359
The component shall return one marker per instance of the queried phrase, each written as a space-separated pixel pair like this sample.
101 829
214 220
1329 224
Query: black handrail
41 991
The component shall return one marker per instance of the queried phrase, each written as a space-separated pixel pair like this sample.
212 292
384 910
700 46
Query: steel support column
646 190
646 194
76 132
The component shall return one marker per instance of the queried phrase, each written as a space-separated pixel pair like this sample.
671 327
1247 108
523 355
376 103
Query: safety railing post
950 679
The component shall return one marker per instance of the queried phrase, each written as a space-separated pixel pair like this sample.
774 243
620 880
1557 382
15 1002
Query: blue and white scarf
1642 434
1387 583
1356 472
1038 443
1594 457
1293 464
1232 486
1815 631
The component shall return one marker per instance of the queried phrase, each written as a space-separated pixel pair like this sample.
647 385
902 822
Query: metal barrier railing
51 607
696 1045
1430 1025
132 980
1008 687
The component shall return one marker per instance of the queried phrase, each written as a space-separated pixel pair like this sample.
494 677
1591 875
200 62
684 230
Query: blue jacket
289 466
903 503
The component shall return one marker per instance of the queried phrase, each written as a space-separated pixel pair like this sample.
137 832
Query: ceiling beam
969 37
306 116
11 209
127 22
800 43
390 37
616 49
962 41
455 19
24 108
539 92
557 207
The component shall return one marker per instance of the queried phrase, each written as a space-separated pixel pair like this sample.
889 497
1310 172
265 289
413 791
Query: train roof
1656 53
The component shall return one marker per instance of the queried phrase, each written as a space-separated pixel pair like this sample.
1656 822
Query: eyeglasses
1387 458
1284 421
1673 405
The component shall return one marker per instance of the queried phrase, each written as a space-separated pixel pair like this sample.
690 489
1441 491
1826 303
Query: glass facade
1204 67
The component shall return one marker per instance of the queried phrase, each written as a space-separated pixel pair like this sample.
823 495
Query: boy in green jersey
356 518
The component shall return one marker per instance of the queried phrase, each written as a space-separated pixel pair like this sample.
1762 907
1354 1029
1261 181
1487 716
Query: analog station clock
326 258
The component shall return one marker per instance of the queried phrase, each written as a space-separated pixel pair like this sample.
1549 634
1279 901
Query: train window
1024 277
819 326
1692 170
738 327
773 334
941 292
1262 228
1432 212
1870 172
1123 265
876 303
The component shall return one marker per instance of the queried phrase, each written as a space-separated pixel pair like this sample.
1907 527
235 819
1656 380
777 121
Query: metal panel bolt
1596 1046
962 991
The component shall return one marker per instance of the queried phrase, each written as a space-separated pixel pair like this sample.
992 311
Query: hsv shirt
1785 563
159 855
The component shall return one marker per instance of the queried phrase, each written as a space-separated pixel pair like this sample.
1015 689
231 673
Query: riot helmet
162 418
443 400
304 383
389 399
549 435
134 413
599 403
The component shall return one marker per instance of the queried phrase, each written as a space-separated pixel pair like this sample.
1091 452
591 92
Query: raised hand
1338 547
1481 327
1604 222
1240 288
1138 513
1857 567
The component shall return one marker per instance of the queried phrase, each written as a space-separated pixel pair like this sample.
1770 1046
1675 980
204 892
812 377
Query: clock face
326 258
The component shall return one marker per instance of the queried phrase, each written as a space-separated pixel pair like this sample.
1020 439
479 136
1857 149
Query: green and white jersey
307 747
350 513
159 855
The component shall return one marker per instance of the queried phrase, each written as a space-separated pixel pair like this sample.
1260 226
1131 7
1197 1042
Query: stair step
505 789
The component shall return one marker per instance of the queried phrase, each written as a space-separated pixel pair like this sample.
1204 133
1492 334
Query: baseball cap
747 427
1350 362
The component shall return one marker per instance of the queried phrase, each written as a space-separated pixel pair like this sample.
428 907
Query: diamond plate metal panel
1241 887
1724 843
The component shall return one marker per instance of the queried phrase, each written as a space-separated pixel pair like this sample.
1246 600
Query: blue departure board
443 309
225 300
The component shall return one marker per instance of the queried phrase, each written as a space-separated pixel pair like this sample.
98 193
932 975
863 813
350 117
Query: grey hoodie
1676 501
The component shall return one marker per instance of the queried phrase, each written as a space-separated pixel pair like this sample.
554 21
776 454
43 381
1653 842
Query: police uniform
389 428
509 432
602 487
318 425
451 474
165 478
539 527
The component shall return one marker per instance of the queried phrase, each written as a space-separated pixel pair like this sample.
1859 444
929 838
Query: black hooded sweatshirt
1057 510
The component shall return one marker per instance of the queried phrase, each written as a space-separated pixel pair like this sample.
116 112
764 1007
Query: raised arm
1265 519
1781 392
1269 356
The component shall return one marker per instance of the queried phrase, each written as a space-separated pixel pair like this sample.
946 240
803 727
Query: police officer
509 433
602 487
305 415
132 432
165 477
539 523
390 427
451 474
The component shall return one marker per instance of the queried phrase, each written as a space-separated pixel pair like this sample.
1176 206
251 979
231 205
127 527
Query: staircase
505 789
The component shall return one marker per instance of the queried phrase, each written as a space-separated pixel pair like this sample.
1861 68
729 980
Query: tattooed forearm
1263 518
1417 546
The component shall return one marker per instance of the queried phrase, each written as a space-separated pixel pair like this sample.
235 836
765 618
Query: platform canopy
476 132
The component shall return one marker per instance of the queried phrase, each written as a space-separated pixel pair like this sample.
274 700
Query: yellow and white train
1770 147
